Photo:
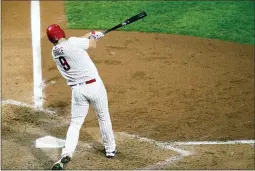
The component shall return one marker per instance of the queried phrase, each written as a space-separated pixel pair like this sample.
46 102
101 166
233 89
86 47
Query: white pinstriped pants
83 95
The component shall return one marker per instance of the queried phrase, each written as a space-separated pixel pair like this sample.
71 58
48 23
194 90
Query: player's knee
76 123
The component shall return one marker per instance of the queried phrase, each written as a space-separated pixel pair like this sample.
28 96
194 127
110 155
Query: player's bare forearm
87 35
93 36
92 42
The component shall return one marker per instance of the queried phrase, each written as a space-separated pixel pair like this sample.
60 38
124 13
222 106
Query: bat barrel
128 21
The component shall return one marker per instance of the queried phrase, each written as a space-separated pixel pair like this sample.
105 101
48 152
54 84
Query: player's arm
93 36
87 35
96 34
91 39
92 42
88 40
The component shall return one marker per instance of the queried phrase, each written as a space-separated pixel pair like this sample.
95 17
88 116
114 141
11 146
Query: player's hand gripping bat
126 22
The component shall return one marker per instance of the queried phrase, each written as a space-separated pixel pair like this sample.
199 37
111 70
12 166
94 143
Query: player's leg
80 108
99 102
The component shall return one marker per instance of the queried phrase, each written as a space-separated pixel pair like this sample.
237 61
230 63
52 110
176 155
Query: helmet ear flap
55 39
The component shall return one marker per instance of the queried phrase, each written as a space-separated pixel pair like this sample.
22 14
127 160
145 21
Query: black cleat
59 165
110 154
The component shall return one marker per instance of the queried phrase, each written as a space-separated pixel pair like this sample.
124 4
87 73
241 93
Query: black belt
87 82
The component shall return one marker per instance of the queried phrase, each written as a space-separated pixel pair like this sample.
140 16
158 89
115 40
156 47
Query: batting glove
97 34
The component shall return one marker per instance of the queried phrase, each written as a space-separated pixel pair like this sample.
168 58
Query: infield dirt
160 86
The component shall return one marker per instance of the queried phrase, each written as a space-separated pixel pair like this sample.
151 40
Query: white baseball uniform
75 65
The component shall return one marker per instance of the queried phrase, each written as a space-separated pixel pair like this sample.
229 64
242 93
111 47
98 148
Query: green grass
226 20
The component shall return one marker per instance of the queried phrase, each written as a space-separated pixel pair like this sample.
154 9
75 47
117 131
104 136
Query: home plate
49 142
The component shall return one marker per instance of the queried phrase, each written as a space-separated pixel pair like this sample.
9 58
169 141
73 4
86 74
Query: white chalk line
170 147
13 102
157 143
182 153
164 164
215 142
36 48
171 160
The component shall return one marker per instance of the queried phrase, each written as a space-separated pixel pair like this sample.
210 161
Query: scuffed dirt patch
22 126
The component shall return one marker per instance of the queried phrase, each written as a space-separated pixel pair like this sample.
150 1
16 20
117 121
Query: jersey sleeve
80 42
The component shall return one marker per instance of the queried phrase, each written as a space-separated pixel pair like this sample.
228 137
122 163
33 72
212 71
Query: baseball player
75 65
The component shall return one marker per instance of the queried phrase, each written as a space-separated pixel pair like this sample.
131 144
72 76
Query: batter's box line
13 102
164 145
252 142
181 153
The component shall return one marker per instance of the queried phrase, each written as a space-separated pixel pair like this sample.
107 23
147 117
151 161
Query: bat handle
105 32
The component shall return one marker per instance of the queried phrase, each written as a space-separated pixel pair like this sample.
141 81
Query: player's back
73 61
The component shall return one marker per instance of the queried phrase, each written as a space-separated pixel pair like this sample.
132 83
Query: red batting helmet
54 33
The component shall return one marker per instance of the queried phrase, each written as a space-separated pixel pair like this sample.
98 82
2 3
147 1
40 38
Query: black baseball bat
128 21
